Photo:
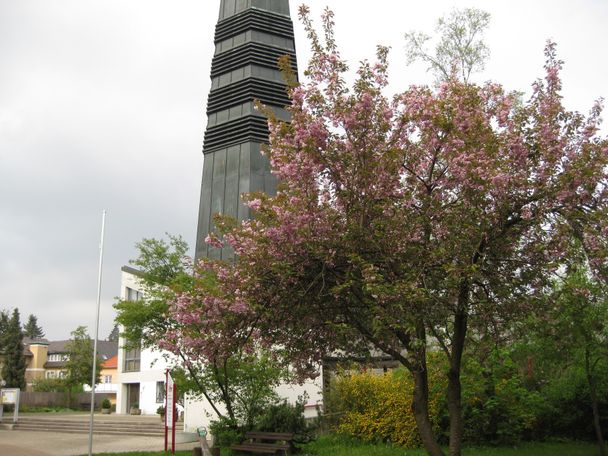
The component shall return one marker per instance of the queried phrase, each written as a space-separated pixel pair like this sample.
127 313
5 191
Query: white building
141 375
199 413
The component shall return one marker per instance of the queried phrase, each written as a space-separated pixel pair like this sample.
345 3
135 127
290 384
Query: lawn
332 446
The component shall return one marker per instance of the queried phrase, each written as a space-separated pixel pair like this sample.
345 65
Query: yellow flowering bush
376 407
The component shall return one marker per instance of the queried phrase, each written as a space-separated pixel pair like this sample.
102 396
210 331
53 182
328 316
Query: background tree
571 331
396 220
79 366
460 50
114 334
163 268
49 385
4 324
31 328
13 371
226 371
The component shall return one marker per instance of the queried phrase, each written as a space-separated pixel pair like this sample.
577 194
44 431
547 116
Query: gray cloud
102 107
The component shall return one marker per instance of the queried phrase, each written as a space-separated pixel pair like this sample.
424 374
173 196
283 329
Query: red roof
111 363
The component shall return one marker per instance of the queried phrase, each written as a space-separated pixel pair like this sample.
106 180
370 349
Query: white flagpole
93 377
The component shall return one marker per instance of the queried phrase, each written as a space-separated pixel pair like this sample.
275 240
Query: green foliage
31 328
568 413
566 342
163 274
13 371
49 385
504 402
4 325
106 404
226 432
286 417
162 262
114 334
497 406
79 365
245 385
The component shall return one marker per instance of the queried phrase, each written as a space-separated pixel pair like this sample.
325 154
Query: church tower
250 37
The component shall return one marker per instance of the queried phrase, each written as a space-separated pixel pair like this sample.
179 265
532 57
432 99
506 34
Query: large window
133 295
160 392
132 359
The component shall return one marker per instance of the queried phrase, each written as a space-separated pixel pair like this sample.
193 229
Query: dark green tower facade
250 37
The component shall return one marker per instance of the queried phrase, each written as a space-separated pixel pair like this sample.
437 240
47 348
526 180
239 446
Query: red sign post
170 410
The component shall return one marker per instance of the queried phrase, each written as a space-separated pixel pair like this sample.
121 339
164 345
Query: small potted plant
161 411
106 406
135 410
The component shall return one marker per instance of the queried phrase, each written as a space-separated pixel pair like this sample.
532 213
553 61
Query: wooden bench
266 443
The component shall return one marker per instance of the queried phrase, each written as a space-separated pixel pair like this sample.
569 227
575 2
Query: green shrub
49 385
286 417
569 413
225 432
497 406
106 404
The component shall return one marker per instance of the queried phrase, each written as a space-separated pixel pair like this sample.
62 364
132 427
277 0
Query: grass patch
338 446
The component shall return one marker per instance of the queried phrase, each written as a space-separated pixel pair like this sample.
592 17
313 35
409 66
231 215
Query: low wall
79 400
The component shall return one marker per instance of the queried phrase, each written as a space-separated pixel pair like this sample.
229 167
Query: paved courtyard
35 443
31 443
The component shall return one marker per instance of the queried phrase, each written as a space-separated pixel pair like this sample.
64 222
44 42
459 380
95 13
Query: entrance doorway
132 396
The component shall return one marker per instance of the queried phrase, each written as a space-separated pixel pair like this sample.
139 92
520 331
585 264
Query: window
133 295
107 379
50 374
61 374
132 359
160 392
58 357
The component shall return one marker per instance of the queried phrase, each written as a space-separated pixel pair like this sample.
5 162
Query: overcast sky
102 106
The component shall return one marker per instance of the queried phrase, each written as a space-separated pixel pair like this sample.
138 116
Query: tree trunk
420 407
455 404
420 400
454 386
594 405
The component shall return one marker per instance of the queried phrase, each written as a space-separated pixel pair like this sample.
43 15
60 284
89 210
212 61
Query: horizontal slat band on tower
254 19
244 129
250 53
268 92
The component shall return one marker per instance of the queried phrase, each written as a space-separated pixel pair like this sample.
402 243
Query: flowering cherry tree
404 223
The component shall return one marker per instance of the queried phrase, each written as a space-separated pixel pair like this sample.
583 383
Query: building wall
152 370
35 365
198 412
152 366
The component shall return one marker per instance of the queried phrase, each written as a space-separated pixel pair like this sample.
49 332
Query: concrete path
30 443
